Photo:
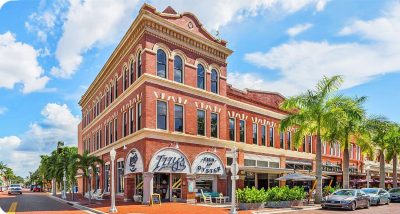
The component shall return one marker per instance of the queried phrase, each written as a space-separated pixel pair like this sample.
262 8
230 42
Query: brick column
129 183
282 166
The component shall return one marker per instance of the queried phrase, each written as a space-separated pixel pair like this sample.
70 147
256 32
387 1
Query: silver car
350 199
15 189
377 195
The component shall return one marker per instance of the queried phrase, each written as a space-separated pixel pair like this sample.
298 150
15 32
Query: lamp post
90 184
60 150
234 177
367 168
113 209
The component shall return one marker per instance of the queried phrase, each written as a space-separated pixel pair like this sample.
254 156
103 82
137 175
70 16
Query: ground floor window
107 178
139 185
161 185
250 179
120 176
97 174
205 185
176 186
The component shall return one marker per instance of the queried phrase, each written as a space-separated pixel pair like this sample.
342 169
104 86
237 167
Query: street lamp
60 149
234 177
90 183
113 209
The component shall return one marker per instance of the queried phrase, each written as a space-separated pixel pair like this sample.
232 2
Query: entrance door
262 180
161 185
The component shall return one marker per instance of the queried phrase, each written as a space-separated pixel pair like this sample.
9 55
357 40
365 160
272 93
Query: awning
263 169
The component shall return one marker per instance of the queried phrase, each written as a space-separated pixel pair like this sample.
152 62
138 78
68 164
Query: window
214 125
110 125
178 114
125 124
120 176
97 177
126 78
309 139
161 115
304 144
111 93
132 71
115 130
281 140
263 131
107 178
139 65
106 133
242 127
255 133
139 116
232 127
200 76
271 136
131 120
289 140
201 116
214 81
178 69
161 64
116 87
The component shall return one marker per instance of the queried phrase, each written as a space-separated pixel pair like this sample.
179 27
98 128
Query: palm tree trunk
318 190
346 160
381 169
395 170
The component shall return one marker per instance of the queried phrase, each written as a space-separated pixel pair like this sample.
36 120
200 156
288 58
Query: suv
15 189
394 194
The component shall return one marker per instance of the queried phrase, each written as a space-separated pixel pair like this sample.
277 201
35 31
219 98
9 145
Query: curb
285 211
76 205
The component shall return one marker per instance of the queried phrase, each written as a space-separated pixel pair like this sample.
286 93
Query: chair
206 198
99 195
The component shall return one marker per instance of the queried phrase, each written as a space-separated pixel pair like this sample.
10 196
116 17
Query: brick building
163 102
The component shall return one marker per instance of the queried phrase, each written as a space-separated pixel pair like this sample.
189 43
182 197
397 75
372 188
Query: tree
393 149
86 161
349 114
378 127
310 114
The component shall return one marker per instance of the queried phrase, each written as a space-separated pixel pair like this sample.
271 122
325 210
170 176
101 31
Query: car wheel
378 202
353 206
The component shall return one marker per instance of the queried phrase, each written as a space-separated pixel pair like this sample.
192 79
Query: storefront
134 175
207 168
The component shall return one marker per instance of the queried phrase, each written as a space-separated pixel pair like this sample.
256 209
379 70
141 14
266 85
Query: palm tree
349 114
378 128
84 162
309 112
393 149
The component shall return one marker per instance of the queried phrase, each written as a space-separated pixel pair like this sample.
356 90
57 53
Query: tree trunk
381 169
53 186
395 170
318 189
345 165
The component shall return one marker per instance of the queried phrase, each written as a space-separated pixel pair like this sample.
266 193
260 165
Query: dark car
394 194
15 189
350 199
37 189
377 195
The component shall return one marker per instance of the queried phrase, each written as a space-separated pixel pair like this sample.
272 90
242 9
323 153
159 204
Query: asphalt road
393 208
30 202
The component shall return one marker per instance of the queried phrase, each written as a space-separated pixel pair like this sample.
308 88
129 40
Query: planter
251 206
284 204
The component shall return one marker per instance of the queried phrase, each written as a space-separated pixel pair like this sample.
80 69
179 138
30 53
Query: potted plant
251 198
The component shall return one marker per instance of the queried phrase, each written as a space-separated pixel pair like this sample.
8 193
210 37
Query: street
381 209
30 202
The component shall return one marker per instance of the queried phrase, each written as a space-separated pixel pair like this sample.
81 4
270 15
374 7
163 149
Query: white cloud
302 63
87 24
22 153
228 10
3 110
300 28
3 2
19 64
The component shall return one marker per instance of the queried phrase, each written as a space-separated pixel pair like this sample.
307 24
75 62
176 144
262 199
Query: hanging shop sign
169 161
208 163
134 162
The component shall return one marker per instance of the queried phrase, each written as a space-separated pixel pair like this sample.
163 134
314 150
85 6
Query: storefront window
176 186
97 174
120 176
107 178
249 180
229 161
139 184
205 185
272 182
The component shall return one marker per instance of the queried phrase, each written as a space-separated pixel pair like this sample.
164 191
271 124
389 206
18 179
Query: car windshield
394 191
370 191
15 185
345 192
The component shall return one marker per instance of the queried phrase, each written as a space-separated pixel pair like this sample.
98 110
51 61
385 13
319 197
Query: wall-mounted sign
208 163
134 162
169 161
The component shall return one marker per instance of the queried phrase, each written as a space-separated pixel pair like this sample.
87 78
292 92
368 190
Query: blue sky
50 52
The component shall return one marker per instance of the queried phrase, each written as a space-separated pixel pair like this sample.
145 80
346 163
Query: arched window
139 65
214 81
178 69
200 76
161 64
132 72
126 78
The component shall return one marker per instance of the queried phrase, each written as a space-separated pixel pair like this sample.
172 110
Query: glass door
161 185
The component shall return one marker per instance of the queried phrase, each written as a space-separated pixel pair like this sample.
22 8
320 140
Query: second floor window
255 133
289 140
214 81
178 69
139 116
201 117
126 78
232 129
125 124
161 64
263 138
131 120
200 77
161 115
106 132
242 127
116 87
178 114
214 125
282 140
115 129
139 65
132 71
271 136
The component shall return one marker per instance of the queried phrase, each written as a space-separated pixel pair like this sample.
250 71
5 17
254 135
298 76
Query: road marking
13 208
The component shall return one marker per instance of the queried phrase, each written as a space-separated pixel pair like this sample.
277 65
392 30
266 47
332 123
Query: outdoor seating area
95 194
212 197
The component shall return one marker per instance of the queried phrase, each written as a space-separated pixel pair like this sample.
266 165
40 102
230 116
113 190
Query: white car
15 189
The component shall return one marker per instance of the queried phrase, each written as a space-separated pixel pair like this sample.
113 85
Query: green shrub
285 194
251 195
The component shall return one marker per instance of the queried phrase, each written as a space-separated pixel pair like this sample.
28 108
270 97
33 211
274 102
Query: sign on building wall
169 161
208 163
134 162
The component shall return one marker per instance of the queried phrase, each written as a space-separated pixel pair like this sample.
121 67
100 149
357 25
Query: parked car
37 189
377 195
15 189
394 194
350 199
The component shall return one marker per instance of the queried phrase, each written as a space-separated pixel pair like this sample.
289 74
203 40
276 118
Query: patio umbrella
297 177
